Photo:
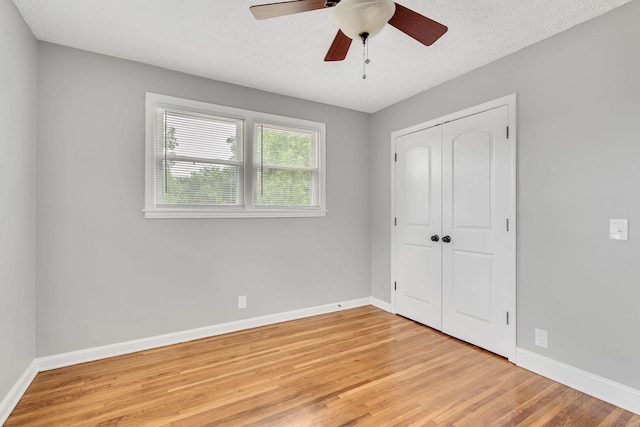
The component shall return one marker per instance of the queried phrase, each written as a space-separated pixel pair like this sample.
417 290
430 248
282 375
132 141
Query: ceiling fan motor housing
355 17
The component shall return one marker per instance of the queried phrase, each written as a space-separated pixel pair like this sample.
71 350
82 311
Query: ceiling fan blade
421 28
339 48
273 10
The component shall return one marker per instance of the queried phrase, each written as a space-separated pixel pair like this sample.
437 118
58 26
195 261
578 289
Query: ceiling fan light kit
355 17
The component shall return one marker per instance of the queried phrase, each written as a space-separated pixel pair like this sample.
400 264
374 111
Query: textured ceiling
221 40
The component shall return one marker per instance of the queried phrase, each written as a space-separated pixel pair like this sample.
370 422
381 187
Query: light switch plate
618 229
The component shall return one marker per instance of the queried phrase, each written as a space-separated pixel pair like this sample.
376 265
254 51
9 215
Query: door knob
435 238
446 239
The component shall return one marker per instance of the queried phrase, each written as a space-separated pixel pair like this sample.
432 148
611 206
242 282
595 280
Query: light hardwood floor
356 367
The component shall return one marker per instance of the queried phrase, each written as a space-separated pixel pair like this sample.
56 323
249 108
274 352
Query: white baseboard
15 394
604 389
90 354
382 305
615 393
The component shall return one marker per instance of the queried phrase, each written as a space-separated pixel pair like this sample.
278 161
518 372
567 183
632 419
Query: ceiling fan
359 19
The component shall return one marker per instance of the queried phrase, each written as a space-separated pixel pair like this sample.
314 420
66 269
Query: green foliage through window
286 167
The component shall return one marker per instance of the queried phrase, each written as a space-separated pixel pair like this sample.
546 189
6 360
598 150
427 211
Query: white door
476 185
454 181
418 218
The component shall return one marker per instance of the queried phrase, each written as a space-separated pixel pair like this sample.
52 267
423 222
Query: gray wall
105 274
18 58
578 166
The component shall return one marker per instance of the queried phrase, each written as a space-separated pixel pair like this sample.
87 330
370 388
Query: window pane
199 159
192 183
286 167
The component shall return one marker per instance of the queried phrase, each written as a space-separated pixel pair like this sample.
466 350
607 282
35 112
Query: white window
199 163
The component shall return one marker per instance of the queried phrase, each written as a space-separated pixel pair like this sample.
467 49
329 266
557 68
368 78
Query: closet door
418 252
476 163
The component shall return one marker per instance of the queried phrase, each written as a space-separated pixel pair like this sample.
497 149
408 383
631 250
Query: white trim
12 398
90 354
206 213
382 305
392 224
602 388
510 102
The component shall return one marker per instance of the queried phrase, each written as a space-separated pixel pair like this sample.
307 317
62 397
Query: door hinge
507 132
507 224
395 157
395 286
395 221
507 317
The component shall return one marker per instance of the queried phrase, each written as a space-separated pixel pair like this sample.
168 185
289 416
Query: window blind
199 159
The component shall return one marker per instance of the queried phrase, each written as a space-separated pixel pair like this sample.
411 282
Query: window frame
152 207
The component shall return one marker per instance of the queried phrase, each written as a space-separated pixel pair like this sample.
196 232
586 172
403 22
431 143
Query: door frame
510 102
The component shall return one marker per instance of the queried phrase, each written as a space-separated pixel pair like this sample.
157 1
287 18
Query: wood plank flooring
356 367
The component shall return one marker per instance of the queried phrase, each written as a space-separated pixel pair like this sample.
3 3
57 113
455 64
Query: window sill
203 213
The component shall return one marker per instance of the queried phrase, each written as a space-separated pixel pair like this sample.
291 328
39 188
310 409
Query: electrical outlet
242 302
542 338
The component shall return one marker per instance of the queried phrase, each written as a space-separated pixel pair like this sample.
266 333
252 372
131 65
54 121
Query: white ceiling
220 39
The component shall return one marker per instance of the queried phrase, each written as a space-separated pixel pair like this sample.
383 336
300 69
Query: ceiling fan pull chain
364 62
367 60
365 53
